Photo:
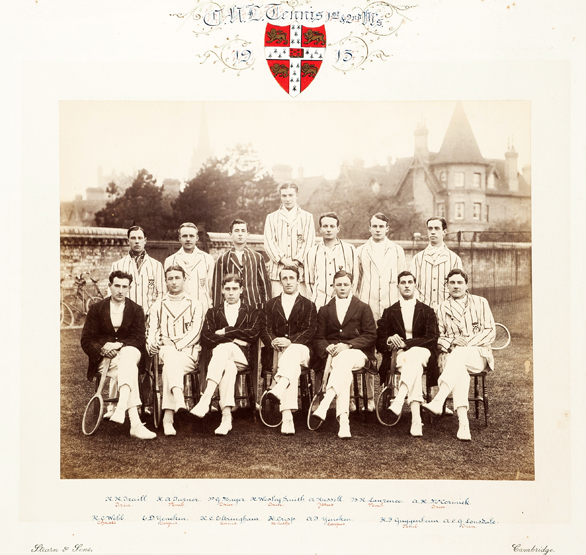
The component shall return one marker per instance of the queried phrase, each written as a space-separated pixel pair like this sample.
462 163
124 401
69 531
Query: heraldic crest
295 54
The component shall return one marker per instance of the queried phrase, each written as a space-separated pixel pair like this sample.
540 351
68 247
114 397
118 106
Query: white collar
407 303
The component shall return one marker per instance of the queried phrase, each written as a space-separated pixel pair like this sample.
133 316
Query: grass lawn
501 451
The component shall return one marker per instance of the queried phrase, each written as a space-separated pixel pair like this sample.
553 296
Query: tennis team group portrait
354 303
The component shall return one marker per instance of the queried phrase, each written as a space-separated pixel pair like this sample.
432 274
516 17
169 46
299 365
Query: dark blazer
299 328
98 330
246 328
425 334
358 330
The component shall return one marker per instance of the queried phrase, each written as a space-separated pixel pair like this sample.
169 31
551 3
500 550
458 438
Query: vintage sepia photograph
209 252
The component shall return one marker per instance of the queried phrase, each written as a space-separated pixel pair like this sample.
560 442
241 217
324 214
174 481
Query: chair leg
365 397
250 392
485 398
476 398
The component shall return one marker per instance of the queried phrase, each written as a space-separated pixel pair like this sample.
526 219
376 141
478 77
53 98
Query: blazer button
340 331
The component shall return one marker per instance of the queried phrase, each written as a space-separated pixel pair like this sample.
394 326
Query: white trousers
340 379
222 370
460 363
175 365
289 366
411 364
124 368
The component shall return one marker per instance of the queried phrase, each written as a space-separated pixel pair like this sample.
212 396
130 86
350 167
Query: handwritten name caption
224 520
416 522
77 548
329 521
107 520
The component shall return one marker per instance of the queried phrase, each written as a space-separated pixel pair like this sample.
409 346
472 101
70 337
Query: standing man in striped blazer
197 264
288 234
467 331
249 265
325 259
380 261
432 265
147 273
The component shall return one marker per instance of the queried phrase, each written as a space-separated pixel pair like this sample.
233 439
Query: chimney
421 142
511 169
527 173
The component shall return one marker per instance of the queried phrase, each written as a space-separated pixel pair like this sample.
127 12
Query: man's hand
396 342
459 342
167 342
221 332
280 343
288 261
110 349
152 349
337 348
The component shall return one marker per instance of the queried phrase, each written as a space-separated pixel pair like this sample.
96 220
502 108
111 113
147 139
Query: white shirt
342 307
407 310
116 315
288 301
231 312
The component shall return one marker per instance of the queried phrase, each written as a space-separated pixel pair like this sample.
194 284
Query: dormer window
490 181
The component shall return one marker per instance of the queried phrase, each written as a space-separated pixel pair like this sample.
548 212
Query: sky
126 136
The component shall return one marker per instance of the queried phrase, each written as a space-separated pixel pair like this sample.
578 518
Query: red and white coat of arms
295 54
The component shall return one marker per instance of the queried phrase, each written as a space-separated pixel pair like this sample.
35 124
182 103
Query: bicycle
75 307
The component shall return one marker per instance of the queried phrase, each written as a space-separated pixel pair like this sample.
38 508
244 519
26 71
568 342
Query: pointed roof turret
459 146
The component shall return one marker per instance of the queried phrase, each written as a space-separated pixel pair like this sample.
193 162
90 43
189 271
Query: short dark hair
343 273
457 271
405 273
135 228
174 268
289 185
120 275
291 269
329 215
379 216
442 220
187 224
228 278
237 222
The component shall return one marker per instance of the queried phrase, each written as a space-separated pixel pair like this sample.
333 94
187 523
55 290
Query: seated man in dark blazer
409 328
113 338
229 331
288 326
346 331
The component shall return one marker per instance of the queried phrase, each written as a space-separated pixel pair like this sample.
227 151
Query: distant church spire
203 150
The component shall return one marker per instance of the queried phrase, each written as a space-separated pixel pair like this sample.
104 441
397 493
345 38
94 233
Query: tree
235 186
113 190
142 204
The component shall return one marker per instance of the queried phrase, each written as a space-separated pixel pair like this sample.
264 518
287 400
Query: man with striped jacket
288 234
467 331
432 265
148 282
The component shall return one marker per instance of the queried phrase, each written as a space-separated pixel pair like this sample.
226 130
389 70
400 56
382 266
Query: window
459 179
459 211
477 211
487 212
443 176
490 183
441 210
477 180
375 186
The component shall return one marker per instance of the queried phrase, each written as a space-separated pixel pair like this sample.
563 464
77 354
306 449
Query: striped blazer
291 239
199 275
148 283
253 271
377 279
321 264
246 329
181 322
478 326
431 276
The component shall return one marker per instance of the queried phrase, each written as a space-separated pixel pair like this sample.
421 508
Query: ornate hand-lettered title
377 20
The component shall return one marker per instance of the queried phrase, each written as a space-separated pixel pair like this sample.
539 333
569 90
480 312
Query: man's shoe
434 407
416 429
224 427
397 406
321 411
448 411
344 432
169 429
141 432
352 406
109 411
118 416
464 432
287 427
370 405
202 408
